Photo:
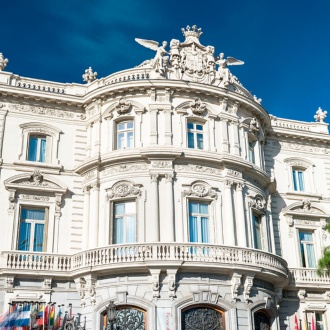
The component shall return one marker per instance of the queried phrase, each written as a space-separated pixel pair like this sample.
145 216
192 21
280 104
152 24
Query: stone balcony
140 257
307 277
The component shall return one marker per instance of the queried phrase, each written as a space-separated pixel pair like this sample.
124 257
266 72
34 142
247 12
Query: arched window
261 321
127 317
202 318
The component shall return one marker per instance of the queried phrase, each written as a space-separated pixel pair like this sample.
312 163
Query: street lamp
111 315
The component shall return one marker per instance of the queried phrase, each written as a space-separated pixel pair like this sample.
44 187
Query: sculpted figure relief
223 72
159 62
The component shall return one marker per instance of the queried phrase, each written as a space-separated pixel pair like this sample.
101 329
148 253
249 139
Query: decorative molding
197 168
41 111
301 295
123 106
235 284
123 189
234 173
34 197
200 189
124 168
81 288
161 164
257 202
9 285
90 286
206 297
169 177
154 177
90 175
197 106
248 283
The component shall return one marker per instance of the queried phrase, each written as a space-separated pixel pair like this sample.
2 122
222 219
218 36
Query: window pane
200 141
130 142
310 255
33 149
32 214
294 180
191 143
193 229
257 231
203 208
205 230
118 231
301 180
120 141
130 229
190 125
42 156
199 127
119 209
38 241
130 207
24 236
120 127
193 207
130 124
306 236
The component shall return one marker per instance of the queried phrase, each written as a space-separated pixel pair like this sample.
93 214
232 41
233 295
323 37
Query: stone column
153 222
89 140
3 114
153 126
137 128
236 137
224 130
96 137
240 216
168 125
212 130
169 208
85 230
94 216
228 218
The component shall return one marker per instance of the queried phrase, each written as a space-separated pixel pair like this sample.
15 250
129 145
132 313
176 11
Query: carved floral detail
34 197
258 203
123 106
200 189
124 168
197 106
123 189
198 168
161 164
41 111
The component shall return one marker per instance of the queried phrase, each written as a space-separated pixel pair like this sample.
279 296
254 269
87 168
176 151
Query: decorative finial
3 62
89 75
320 115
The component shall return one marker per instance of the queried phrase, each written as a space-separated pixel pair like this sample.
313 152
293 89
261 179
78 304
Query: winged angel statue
159 62
223 72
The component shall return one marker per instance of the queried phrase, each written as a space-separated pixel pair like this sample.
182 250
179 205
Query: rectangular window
298 180
125 135
31 229
315 318
306 246
198 222
195 136
257 231
124 223
37 148
251 152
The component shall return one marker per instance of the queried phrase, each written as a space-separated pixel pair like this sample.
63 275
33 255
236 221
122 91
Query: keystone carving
197 106
123 107
123 189
200 189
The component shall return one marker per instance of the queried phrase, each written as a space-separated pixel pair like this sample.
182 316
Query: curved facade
167 189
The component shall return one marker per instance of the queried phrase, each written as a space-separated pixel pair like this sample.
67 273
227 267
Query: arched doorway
202 318
261 320
127 317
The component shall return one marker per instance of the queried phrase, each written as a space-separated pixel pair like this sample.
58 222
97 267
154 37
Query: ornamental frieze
34 197
197 168
41 111
200 189
124 168
298 147
89 176
161 164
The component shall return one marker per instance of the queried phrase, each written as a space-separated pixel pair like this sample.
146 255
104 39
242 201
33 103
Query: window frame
113 216
304 244
125 131
195 133
259 216
298 181
39 138
199 221
34 223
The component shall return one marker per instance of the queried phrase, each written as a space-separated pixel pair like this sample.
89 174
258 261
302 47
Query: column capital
228 184
169 177
154 177
239 186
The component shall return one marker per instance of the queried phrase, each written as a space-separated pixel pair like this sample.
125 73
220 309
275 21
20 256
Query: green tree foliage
324 263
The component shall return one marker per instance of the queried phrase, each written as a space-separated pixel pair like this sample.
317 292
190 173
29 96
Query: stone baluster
240 217
228 222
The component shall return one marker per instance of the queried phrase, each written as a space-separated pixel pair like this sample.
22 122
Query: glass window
195 136
298 180
257 231
261 321
37 148
31 229
198 222
124 222
307 254
315 320
202 318
125 135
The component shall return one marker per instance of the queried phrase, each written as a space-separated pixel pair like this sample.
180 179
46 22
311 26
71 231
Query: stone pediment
305 208
35 181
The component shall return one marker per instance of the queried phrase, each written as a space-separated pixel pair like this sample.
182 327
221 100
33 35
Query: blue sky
284 43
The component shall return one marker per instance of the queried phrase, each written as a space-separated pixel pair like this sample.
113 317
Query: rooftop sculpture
190 60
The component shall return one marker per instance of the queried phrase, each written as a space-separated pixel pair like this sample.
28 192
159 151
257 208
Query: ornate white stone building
167 189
